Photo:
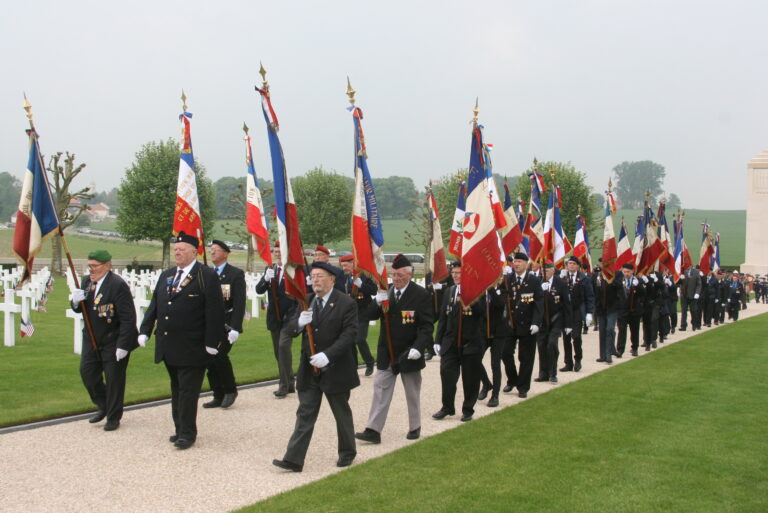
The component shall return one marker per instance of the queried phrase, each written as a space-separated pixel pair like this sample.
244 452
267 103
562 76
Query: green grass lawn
40 377
679 430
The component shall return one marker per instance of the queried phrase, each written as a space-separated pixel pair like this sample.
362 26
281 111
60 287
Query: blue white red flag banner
291 254
367 232
623 249
493 194
707 249
715 261
186 215
556 246
36 218
653 248
637 246
437 261
581 244
459 217
667 259
255 216
677 224
522 218
481 256
608 269
511 234
532 231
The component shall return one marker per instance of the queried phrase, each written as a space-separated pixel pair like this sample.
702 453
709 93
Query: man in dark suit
582 306
330 369
556 321
735 296
279 310
221 377
361 289
187 316
436 299
652 297
629 306
690 291
606 312
460 344
496 331
108 303
528 310
712 287
400 350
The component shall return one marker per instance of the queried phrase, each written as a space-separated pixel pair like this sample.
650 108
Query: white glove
695 296
507 270
635 282
568 331
143 340
305 318
232 336
717 301
564 273
78 296
382 296
644 278
309 280
545 285
436 348
534 329
120 354
654 277
319 360
437 286
211 350
668 282
269 273
357 282
414 354
589 318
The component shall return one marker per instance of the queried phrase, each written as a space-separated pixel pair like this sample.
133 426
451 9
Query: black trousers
526 353
508 359
650 324
633 322
572 342
306 416
94 367
362 343
691 305
221 377
546 342
453 363
186 383
496 345
709 311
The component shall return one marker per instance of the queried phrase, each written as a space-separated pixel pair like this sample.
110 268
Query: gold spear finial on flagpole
552 172
183 101
476 110
263 73
350 93
245 128
535 165
610 185
647 195
28 108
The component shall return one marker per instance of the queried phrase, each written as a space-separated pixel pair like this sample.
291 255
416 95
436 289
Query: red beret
347 258
323 249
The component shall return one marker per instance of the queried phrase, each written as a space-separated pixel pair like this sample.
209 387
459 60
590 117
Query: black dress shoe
577 366
567 368
369 369
369 435
466 418
493 401
672 330
173 438
344 462
428 356
228 400
483 393
600 360
508 388
414 434
111 425
553 379
440 415
213 403
634 352
541 379
522 395
608 359
97 417
280 393
183 443
653 344
288 465
681 329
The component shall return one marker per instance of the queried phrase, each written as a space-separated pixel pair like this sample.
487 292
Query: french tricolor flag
255 216
454 245
624 250
186 215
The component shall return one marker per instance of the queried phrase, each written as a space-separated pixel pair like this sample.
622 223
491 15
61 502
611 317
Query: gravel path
79 467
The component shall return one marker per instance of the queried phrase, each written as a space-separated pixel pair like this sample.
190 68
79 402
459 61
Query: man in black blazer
582 299
629 307
555 321
221 377
460 343
528 310
329 369
107 300
187 316
690 289
361 289
410 332
279 310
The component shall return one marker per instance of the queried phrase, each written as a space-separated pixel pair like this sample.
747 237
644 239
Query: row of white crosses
31 293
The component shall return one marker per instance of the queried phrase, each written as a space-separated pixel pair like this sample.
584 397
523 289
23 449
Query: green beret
100 255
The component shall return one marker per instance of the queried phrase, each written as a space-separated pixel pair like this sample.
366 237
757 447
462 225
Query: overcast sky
682 83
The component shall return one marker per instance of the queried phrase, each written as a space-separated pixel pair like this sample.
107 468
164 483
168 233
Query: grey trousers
281 343
306 416
383 388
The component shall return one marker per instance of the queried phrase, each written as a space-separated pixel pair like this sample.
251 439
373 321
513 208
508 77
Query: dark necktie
218 270
175 285
397 296
319 305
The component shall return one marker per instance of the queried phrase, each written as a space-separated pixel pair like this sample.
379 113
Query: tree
420 233
10 190
324 204
240 230
396 195
633 179
109 198
147 195
674 203
69 205
226 188
446 190
574 191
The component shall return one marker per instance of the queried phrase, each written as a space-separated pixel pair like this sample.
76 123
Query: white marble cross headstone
9 309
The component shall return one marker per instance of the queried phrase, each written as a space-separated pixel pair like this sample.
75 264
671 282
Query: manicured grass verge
40 376
679 430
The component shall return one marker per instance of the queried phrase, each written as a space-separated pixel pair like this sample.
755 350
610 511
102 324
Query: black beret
456 263
189 239
521 256
573 258
325 266
628 266
221 245
400 261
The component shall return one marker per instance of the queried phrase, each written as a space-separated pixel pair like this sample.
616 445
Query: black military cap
325 266
456 263
400 261
221 245
573 258
189 239
628 266
521 256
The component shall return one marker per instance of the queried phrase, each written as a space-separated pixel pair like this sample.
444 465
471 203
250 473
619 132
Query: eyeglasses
318 276
95 266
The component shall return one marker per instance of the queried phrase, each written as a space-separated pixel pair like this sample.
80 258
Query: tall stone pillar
756 253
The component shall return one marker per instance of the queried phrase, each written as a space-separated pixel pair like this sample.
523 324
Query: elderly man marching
410 333
109 306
